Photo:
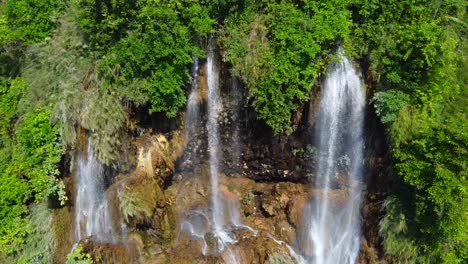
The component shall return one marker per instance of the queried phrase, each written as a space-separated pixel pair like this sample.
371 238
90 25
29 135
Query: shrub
276 49
78 256
388 105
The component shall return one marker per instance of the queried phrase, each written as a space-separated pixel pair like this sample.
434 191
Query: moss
166 221
166 224
278 258
138 199
136 238
62 222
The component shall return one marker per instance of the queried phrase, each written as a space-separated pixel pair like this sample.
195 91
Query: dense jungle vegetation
88 63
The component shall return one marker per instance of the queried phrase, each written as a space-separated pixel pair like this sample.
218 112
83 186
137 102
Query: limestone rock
295 210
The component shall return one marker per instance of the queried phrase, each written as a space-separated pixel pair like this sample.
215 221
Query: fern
138 199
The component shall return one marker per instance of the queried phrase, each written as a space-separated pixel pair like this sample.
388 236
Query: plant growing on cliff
29 148
79 256
398 245
31 21
151 47
388 105
415 52
137 199
29 176
275 48
40 244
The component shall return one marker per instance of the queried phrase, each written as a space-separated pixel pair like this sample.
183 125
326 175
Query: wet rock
295 210
274 203
269 207
249 204
285 231
165 224
338 197
212 241
108 253
341 180
368 254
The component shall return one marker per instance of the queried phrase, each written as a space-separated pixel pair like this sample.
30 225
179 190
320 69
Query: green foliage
104 116
410 47
14 195
432 160
78 256
388 105
275 49
398 245
55 71
5 31
415 51
31 21
38 151
29 176
151 47
40 244
79 95
10 95
23 22
104 22
14 191
30 155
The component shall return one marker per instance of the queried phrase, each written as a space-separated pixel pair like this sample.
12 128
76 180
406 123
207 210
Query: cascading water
223 217
332 223
92 216
215 155
193 108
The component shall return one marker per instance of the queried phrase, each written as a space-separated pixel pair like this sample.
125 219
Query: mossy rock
165 224
138 199
62 220
279 258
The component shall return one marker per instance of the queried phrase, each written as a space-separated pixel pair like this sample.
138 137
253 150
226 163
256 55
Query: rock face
269 180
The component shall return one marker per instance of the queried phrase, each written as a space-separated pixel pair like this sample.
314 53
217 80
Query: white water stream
215 154
332 223
193 108
92 215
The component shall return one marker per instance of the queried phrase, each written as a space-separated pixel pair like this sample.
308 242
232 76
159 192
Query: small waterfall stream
222 218
92 216
193 108
332 223
215 154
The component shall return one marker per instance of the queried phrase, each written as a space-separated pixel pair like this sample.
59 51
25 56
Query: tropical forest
233 131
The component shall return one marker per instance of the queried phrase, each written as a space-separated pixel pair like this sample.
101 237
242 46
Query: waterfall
193 108
222 218
333 219
92 212
215 154
192 121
